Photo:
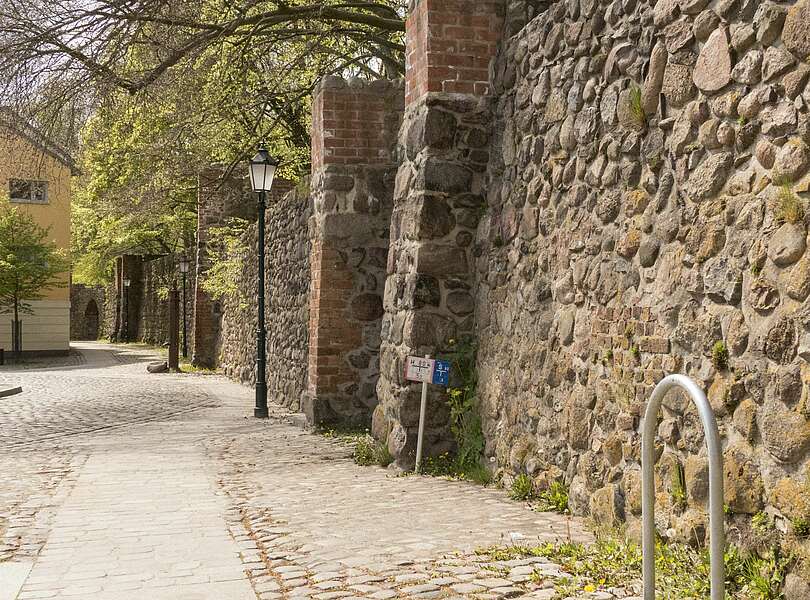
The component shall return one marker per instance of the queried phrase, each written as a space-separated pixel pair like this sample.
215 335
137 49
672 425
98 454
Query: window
28 191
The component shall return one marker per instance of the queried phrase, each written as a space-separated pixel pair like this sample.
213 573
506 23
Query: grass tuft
790 208
720 356
522 488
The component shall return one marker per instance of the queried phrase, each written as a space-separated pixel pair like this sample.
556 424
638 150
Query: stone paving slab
12 577
196 499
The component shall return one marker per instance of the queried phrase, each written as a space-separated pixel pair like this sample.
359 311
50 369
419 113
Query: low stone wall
287 311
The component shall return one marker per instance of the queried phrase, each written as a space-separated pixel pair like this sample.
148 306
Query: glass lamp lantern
262 171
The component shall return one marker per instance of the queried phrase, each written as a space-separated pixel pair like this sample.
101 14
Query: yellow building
35 175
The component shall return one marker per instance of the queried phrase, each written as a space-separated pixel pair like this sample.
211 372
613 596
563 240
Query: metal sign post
716 524
425 370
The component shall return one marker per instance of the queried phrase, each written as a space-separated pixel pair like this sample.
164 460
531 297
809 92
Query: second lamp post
262 171
185 263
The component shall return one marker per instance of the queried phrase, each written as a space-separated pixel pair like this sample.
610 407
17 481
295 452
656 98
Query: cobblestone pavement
116 484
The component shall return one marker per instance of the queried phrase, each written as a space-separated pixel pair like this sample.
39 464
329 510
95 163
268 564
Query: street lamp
184 266
262 170
126 282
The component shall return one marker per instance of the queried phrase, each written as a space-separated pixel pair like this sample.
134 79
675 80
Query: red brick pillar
440 196
354 131
450 44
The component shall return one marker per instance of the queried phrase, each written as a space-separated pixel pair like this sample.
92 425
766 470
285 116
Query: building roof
13 121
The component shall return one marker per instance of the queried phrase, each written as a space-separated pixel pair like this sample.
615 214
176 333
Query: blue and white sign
441 373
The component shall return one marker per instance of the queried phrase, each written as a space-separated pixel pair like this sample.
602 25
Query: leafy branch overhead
149 93
55 50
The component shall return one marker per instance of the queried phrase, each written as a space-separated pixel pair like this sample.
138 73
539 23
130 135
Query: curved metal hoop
716 519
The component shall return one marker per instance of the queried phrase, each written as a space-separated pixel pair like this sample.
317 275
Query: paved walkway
117 484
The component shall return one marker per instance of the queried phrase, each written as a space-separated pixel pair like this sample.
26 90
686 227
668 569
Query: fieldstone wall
287 248
86 312
159 275
439 198
646 214
355 124
220 196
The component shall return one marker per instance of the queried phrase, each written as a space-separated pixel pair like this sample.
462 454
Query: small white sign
419 369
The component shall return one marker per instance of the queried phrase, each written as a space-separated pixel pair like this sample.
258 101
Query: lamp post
262 170
184 266
126 282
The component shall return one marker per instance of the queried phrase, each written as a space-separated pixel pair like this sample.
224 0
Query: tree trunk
16 342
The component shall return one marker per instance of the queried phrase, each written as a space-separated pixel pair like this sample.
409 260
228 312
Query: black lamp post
126 309
262 170
184 266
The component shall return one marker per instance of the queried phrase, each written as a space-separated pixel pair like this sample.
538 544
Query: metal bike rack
716 518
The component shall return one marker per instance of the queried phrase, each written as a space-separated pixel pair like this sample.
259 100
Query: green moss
720 356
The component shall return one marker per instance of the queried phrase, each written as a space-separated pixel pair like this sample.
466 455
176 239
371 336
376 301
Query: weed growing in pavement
366 451
554 499
681 571
522 488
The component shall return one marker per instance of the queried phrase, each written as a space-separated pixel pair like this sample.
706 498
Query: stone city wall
646 215
355 125
287 248
87 306
159 276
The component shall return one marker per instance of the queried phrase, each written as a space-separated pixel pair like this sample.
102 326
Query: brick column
354 130
438 200
450 44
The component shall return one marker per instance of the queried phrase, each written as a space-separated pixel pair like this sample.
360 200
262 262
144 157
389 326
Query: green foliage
447 466
30 263
366 451
801 526
369 451
762 522
554 499
762 577
227 253
678 489
790 208
720 356
681 571
637 107
465 421
522 488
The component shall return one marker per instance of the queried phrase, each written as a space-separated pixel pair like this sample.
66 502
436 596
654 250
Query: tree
29 264
149 92
62 58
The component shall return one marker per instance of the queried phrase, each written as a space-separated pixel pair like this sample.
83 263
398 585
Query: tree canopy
149 92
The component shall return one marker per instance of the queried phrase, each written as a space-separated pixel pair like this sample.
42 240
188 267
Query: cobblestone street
117 484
